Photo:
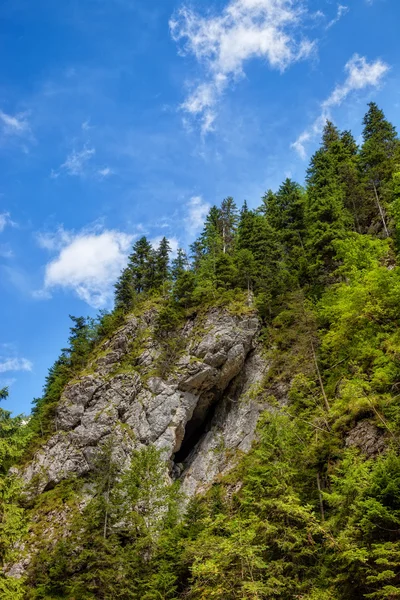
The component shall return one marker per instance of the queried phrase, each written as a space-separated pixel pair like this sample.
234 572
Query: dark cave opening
195 430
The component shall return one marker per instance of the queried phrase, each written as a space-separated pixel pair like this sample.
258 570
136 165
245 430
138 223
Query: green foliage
114 546
313 511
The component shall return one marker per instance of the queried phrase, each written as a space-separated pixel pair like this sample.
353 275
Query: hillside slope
231 430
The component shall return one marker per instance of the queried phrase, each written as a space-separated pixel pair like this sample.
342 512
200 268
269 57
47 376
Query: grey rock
368 438
201 410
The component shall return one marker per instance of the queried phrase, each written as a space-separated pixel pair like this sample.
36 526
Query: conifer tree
354 198
184 287
285 212
378 156
268 200
325 215
257 235
141 265
197 254
229 220
162 262
180 264
211 237
124 292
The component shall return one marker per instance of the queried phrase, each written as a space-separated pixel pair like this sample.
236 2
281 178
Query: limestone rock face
368 438
199 414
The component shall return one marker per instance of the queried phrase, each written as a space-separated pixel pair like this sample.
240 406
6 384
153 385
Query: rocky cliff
196 404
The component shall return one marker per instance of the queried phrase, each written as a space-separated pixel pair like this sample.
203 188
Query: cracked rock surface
201 412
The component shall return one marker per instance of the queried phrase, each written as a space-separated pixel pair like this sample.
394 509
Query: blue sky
120 118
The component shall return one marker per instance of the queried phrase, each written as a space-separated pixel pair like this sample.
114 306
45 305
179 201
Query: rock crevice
197 415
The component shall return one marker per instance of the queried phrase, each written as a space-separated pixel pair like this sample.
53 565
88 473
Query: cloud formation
245 29
197 210
88 263
76 163
14 125
341 11
5 221
15 364
361 74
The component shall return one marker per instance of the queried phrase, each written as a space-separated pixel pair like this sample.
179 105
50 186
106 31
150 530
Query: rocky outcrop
368 438
199 414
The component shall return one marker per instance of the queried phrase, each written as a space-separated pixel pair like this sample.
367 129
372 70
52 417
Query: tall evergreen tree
211 237
162 253
180 264
378 156
124 291
197 254
268 200
257 235
348 171
141 265
326 217
229 220
285 212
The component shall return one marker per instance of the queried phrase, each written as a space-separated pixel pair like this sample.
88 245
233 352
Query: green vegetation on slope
313 511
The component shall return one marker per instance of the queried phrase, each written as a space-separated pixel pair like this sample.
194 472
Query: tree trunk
381 210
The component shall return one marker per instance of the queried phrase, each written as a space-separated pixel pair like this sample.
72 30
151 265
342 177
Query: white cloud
360 75
106 172
15 364
5 221
54 240
14 125
76 163
245 29
341 11
197 210
88 263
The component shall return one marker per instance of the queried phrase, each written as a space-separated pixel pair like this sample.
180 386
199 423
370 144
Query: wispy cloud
245 29
105 172
361 74
15 364
54 240
14 124
76 163
6 221
341 11
197 210
87 263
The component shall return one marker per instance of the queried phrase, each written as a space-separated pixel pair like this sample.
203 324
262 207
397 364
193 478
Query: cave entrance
195 430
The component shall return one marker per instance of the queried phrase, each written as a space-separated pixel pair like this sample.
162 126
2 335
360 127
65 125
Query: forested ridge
313 511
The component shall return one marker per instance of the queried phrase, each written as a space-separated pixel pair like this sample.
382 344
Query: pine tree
225 271
325 215
141 264
257 235
247 270
229 219
180 264
184 287
377 161
212 235
162 271
268 200
197 254
124 291
285 212
354 198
